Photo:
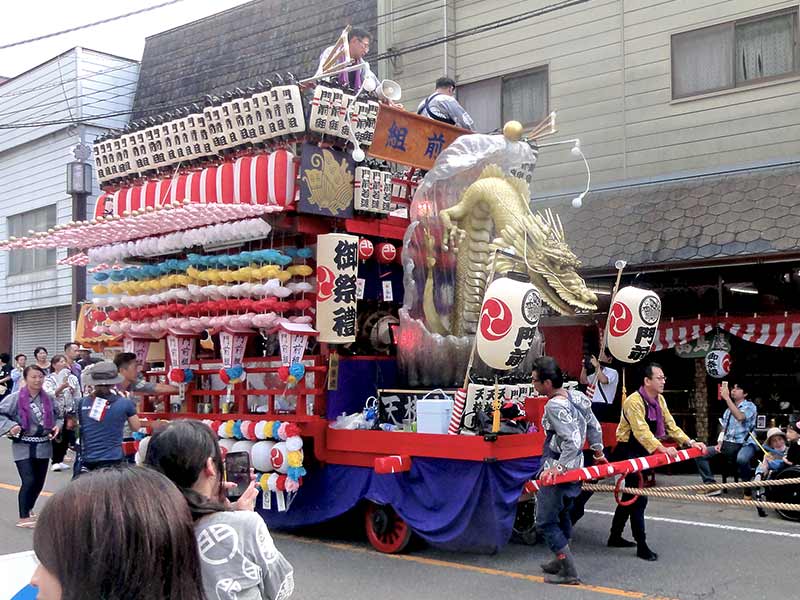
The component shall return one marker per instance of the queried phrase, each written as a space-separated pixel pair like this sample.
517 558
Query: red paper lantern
177 376
365 249
224 377
386 253
98 316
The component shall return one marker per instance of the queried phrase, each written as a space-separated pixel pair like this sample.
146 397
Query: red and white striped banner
268 179
675 333
777 331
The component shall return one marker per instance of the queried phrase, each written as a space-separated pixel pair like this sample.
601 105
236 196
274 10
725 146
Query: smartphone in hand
237 470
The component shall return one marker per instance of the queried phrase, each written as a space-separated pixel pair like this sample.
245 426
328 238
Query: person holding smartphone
29 418
237 555
735 443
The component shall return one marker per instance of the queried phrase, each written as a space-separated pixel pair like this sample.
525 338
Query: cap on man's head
104 372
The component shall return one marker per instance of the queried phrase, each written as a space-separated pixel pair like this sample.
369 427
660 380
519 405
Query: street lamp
79 186
79 179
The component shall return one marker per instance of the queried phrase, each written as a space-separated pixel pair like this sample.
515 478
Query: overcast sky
32 18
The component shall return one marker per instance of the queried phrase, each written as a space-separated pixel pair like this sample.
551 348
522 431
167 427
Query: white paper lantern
261 430
718 363
509 316
243 446
227 444
261 455
633 323
279 457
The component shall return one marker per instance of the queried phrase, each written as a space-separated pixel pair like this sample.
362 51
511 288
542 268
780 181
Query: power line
491 26
88 25
311 42
382 19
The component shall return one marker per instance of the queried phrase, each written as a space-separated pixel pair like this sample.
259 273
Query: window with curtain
732 54
21 262
523 97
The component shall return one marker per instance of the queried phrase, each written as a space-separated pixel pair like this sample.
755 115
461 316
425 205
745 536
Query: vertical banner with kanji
337 267
181 350
137 346
232 347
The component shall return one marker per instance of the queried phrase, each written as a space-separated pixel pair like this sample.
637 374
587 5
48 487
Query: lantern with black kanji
509 316
633 323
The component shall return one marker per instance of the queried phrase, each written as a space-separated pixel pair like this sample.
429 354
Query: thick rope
666 494
734 485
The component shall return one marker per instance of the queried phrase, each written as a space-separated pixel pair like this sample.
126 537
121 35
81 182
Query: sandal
26 523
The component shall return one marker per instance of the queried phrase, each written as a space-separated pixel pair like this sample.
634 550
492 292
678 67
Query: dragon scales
493 213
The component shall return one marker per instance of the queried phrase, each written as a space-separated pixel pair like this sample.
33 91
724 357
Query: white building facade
44 113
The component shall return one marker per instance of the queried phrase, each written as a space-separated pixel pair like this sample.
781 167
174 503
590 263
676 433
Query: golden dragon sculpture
493 213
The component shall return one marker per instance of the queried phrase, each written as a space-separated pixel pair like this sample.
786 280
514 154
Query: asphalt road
705 552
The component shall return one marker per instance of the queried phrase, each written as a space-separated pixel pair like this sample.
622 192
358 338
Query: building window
21 262
734 54
522 97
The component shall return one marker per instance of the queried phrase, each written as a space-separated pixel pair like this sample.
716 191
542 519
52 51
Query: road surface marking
474 568
709 525
15 488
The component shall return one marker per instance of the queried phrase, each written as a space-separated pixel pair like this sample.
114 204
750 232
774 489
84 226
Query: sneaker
56 467
709 493
65 466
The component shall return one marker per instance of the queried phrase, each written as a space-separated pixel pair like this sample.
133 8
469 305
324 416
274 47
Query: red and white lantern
508 320
633 323
386 253
718 363
365 249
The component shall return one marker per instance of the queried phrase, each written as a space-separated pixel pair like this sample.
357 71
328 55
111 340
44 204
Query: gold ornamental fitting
513 131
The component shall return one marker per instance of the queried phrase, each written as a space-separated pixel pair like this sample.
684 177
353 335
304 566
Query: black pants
634 512
61 445
32 473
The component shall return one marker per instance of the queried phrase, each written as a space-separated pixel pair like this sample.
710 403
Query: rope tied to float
668 494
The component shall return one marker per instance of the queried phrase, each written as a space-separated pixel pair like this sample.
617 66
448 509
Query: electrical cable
385 56
88 25
382 19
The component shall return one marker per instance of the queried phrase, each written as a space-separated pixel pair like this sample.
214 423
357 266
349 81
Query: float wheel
386 530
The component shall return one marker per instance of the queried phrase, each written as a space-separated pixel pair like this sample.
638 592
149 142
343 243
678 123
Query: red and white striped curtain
777 331
261 179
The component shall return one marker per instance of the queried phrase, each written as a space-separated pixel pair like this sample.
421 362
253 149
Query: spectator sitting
738 421
775 459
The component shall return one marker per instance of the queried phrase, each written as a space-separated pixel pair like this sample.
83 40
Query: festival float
347 291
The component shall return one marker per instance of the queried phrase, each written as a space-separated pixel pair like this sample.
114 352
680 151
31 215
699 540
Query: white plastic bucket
433 415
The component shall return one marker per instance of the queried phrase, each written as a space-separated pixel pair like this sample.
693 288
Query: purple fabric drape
24 408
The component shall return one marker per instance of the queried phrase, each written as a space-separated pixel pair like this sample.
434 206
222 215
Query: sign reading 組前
337 269
411 139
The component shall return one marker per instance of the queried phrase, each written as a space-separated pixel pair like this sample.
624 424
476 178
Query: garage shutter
49 327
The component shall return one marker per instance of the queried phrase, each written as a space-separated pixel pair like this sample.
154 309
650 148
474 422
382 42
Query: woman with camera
236 550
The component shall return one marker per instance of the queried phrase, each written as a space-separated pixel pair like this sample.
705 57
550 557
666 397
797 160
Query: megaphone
390 90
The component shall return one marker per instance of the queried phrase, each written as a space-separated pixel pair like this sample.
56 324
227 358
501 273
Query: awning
778 331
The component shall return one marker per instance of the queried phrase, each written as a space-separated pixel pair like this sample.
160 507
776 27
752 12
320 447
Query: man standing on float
568 421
